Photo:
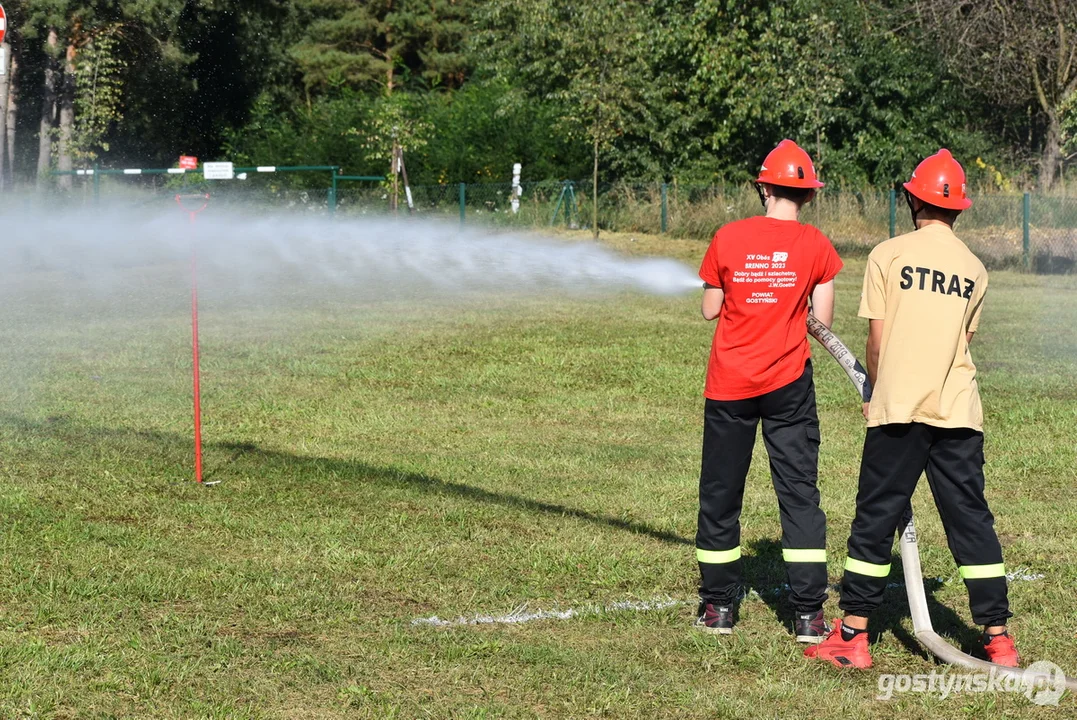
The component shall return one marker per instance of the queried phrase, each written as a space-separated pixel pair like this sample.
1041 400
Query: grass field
390 461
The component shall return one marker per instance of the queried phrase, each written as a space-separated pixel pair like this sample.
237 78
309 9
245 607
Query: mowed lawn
382 462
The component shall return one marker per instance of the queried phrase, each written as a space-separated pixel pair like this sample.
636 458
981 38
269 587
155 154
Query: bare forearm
711 306
822 303
871 357
871 354
824 316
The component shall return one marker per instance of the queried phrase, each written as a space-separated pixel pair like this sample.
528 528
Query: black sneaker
717 619
811 628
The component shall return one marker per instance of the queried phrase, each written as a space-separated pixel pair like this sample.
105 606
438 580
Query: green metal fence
1037 232
1033 231
265 186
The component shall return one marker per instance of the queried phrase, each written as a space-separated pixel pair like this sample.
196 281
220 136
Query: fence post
893 212
665 206
1025 235
463 203
557 208
570 204
333 194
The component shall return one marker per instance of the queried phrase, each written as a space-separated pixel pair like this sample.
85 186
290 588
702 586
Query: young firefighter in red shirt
758 275
923 293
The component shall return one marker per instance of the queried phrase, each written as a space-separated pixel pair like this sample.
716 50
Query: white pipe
910 551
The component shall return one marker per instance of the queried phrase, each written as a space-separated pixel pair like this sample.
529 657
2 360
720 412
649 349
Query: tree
1068 115
5 95
68 27
48 105
731 79
1019 52
888 113
480 133
149 79
382 46
97 100
11 114
391 131
687 90
466 135
764 70
584 56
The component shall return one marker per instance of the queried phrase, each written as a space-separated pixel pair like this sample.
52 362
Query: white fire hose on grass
910 552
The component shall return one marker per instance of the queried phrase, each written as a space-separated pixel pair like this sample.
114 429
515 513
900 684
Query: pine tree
383 45
587 56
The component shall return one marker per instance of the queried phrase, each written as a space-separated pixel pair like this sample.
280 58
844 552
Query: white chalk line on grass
522 615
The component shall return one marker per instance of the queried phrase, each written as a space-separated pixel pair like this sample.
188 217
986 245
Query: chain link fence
1037 232
1032 231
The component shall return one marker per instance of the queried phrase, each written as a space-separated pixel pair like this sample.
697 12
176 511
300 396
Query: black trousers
791 436
894 457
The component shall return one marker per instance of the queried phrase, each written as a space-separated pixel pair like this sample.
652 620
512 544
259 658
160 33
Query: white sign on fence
218 171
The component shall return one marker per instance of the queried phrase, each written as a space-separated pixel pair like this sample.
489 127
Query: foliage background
670 90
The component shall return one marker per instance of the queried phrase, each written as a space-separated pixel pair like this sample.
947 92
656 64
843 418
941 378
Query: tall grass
855 220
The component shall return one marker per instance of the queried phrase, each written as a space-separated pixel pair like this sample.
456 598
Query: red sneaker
1001 651
840 653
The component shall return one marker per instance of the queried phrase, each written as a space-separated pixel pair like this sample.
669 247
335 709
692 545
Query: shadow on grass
764 570
946 622
172 448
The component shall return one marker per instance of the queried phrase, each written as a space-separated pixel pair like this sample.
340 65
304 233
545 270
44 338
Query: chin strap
762 197
914 213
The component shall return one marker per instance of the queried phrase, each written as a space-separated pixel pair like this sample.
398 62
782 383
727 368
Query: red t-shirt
767 269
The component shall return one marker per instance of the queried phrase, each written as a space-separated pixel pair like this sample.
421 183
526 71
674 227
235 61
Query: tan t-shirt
928 289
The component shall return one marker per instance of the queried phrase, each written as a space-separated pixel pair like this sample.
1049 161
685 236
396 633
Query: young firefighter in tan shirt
923 293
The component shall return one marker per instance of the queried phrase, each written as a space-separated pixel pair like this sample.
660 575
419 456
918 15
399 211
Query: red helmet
790 166
940 180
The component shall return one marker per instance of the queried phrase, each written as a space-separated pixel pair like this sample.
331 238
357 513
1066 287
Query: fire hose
910 551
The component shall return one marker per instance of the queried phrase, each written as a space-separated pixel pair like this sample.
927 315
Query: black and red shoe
811 628
840 652
717 619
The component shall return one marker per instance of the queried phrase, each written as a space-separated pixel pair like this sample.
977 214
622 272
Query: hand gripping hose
910 552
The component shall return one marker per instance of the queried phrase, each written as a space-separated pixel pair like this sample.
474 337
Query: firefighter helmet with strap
939 180
788 165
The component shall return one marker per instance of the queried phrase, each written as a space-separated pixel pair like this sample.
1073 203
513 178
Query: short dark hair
935 212
932 212
797 195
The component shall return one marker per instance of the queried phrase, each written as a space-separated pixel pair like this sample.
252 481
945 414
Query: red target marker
192 205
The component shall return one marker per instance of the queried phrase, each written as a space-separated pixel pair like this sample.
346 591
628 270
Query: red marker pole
192 214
